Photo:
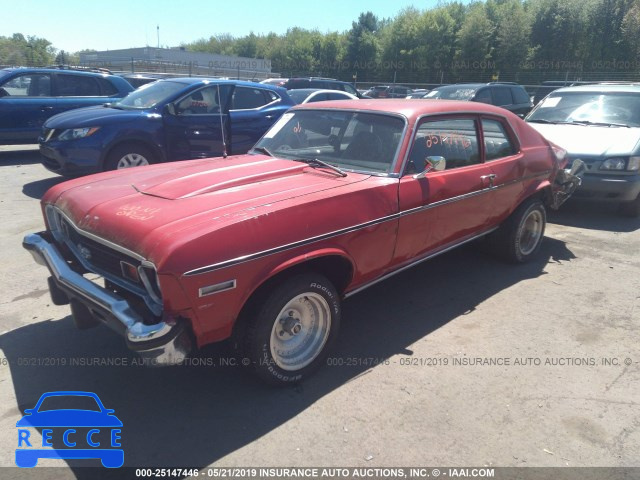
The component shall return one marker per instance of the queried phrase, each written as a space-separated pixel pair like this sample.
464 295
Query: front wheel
519 238
289 338
128 156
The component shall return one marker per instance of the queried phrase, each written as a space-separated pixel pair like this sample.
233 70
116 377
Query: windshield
452 93
589 107
150 94
349 140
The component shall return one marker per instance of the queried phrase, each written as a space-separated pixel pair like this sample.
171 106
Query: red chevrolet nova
335 197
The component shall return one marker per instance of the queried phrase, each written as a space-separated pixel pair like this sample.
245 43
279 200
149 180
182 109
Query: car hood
140 208
94 116
592 140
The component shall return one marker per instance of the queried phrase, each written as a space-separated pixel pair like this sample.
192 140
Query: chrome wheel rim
531 232
132 160
300 331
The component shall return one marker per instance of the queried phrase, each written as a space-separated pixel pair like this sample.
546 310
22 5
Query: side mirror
435 163
171 109
3 93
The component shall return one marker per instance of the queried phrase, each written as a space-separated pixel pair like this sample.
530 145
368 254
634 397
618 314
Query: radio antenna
224 141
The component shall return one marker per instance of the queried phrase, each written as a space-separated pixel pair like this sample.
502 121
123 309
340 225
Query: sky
73 25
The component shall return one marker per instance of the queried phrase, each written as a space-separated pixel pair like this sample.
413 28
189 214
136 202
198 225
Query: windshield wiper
264 150
600 124
541 120
314 162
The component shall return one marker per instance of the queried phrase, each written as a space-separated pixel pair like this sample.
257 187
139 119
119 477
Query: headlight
616 163
75 133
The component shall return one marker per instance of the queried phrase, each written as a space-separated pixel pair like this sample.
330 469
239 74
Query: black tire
128 153
519 238
304 307
631 209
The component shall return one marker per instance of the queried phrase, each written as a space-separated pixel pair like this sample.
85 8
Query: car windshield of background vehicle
149 95
362 142
452 93
615 109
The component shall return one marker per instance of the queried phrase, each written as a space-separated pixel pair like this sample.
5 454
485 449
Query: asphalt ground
461 361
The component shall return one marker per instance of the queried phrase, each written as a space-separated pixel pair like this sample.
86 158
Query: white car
309 95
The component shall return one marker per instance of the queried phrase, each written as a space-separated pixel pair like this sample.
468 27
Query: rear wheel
290 335
128 156
519 238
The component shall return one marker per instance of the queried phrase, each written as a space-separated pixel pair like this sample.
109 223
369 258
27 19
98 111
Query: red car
335 197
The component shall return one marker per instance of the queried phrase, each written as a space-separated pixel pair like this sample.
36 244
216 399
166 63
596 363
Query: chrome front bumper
160 344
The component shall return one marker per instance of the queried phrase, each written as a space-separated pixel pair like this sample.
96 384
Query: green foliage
451 42
18 50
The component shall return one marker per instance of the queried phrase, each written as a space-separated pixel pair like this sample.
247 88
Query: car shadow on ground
593 216
195 415
19 157
38 188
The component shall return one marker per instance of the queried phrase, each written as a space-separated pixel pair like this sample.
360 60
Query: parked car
310 95
509 96
321 82
276 82
251 247
418 93
549 86
172 119
138 79
29 96
599 124
389 91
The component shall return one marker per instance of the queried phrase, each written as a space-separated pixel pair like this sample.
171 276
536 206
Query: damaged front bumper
566 182
162 343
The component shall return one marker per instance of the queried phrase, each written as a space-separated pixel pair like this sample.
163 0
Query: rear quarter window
77 86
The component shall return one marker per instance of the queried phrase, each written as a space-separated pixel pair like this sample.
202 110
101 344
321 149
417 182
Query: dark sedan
172 119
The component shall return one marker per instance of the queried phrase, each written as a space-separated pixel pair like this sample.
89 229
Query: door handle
268 117
490 177
45 108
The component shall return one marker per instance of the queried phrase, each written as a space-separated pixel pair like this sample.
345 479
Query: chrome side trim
301 243
217 288
418 261
271 251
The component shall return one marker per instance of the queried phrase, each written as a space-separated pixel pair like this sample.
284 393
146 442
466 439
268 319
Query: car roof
410 108
601 87
195 80
58 70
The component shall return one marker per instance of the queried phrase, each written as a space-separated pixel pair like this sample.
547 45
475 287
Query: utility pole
158 32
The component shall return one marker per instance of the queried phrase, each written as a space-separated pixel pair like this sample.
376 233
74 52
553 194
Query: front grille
96 254
108 260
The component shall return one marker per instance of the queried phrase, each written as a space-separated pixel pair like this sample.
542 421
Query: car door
251 116
26 103
198 124
502 154
445 207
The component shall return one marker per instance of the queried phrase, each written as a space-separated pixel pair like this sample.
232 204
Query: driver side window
201 102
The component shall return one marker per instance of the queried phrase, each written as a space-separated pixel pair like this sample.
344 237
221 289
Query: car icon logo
86 431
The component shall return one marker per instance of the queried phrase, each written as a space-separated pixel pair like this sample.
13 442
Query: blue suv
29 96
172 119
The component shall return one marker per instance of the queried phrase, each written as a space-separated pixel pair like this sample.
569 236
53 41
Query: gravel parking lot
462 361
